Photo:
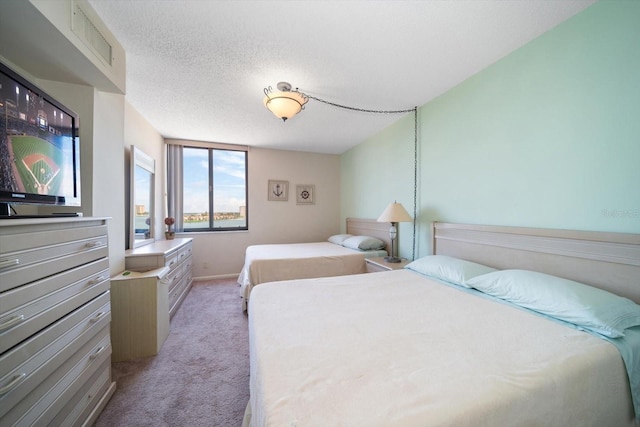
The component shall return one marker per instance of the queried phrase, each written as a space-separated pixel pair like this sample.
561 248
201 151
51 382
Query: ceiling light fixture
286 103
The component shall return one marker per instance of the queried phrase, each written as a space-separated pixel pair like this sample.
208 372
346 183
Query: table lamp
394 213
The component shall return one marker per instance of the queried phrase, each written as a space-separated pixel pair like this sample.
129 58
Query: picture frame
278 190
305 194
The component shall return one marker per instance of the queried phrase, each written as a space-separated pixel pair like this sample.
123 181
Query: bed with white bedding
405 348
276 262
271 263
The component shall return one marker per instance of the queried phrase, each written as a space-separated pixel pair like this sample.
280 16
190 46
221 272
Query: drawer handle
6 263
11 322
171 263
17 379
97 317
93 244
95 281
97 353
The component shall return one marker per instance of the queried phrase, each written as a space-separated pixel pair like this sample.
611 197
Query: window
207 187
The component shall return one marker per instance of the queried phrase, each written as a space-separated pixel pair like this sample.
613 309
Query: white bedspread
397 349
271 263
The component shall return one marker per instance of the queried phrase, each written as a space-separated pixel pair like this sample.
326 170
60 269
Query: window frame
211 149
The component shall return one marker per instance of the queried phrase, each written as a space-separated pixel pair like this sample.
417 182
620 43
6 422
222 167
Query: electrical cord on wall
415 151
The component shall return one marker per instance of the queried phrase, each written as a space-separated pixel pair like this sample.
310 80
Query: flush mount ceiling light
285 103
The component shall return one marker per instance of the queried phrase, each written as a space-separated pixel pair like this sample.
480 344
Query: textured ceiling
196 69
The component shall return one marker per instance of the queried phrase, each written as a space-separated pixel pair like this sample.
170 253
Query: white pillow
585 306
364 243
339 238
449 269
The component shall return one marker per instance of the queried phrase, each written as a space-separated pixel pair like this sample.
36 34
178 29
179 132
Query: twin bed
444 344
271 263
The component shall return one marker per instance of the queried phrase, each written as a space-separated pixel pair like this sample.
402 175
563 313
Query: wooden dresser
55 345
174 254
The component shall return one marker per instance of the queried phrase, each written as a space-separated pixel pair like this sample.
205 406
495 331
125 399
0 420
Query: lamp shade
395 212
284 103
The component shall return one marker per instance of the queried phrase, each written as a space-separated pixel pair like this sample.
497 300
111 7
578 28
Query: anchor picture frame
278 190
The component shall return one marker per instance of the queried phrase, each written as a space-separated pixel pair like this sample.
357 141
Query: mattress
269 263
399 349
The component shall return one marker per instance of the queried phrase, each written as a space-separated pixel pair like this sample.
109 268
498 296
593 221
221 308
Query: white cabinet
55 346
174 254
140 313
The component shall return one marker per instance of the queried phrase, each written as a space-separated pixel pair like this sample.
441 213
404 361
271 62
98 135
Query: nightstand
377 264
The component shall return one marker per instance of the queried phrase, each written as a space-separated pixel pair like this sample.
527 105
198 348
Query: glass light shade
284 105
393 232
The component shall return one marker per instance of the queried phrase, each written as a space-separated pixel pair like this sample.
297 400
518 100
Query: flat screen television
39 146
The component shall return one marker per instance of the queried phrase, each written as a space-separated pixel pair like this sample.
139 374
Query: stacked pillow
585 306
449 269
363 243
339 238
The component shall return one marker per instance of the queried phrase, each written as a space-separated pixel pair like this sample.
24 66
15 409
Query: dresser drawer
172 261
23 238
42 405
173 278
183 269
79 408
188 270
175 292
29 308
178 294
30 366
19 268
185 252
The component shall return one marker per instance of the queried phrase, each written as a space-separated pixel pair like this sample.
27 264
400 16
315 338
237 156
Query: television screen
39 145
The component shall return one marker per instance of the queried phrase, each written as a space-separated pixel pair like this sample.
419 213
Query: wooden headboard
370 227
609 261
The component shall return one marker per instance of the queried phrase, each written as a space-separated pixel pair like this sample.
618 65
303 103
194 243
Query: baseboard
218 276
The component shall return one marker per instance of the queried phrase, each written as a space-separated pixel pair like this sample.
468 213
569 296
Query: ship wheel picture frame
305 194
278 190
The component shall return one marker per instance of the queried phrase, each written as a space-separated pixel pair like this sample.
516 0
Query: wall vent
87 32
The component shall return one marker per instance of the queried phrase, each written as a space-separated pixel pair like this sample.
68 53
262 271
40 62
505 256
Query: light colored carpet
201 375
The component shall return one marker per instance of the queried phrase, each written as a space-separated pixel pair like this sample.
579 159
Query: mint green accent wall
549 136
380 172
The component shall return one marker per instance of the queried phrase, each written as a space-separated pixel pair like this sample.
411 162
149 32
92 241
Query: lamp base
393 259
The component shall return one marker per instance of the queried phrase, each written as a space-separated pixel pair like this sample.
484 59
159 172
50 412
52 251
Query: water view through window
214 180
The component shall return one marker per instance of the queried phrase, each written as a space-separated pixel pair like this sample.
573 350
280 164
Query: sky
228 176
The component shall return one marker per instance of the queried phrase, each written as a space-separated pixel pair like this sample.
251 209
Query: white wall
108 171
138 132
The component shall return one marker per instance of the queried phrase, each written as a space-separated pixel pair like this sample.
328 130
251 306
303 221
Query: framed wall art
278 190
305 194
